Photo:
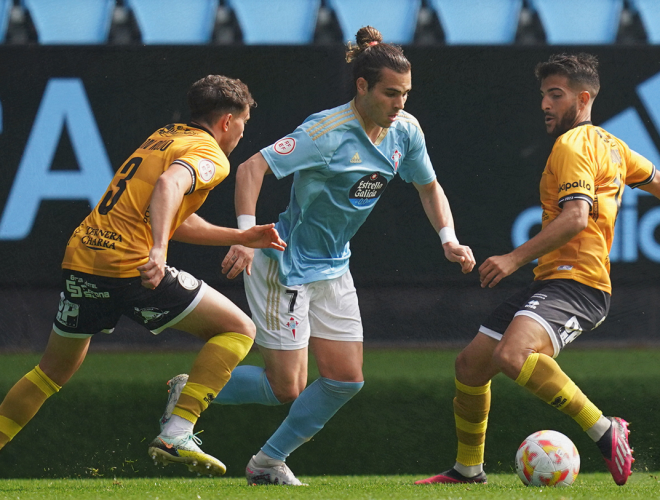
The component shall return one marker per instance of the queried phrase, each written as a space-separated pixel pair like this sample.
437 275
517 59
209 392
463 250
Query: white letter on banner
64 103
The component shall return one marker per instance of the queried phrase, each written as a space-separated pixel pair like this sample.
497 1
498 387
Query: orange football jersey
587 163
116 237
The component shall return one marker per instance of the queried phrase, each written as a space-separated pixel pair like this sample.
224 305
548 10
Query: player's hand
496 268
265 236
461 254
153 271
237 259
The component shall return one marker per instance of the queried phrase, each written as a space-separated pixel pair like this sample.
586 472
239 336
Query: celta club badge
291 325
396 157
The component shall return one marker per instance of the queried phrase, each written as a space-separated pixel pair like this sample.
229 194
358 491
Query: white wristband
246 221
447 234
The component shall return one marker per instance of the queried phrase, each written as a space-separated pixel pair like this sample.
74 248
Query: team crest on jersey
367 190
285 146
206 169
396 156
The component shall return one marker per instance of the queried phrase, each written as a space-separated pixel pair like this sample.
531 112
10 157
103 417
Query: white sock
597 430
263 460
177 425
468 470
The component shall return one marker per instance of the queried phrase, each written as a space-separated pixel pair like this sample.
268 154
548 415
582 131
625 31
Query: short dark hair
216 95
370 55
580 69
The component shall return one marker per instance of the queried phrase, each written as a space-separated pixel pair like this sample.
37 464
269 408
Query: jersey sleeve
639 170
416 165
207 165
292 153
575 172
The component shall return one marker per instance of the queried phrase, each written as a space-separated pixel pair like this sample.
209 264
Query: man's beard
566 123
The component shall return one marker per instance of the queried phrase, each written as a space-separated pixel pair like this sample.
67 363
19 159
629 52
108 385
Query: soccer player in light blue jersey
342 160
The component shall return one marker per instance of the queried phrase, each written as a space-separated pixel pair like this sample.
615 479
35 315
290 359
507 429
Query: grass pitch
500 487
401 425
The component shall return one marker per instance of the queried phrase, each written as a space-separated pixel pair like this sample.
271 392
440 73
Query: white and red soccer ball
547 458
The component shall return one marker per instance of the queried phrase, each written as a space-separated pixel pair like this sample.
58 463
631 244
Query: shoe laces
191 437
195 439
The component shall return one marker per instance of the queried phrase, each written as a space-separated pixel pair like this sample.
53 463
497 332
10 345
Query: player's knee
248 328
287 391
463 366
508 360
242 324
286 394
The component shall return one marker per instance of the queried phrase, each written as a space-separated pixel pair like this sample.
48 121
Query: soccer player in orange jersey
581 191
115 263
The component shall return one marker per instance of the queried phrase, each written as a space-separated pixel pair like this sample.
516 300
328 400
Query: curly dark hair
215 95
370 55
580 69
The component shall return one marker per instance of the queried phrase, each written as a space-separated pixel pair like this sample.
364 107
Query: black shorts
90 304
565 308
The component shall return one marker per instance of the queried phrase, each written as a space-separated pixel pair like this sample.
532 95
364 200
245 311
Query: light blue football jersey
339 175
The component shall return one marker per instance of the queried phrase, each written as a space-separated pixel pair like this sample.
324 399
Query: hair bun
367 36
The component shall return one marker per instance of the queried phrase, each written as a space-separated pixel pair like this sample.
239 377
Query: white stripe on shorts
200 294
68 335
490 333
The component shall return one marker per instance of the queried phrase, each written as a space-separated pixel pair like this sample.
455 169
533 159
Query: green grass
379 365
500 487
401 422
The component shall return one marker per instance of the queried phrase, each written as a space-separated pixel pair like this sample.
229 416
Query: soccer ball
547 458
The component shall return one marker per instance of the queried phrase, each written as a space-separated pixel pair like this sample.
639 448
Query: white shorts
286 316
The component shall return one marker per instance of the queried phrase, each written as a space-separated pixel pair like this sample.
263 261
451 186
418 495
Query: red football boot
452 476
616 450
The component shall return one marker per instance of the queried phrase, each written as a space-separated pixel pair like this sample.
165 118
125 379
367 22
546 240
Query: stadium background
478 105
479 108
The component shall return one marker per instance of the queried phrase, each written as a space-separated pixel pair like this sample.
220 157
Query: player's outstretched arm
198 231
249 178
265 236
573 218
436 207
